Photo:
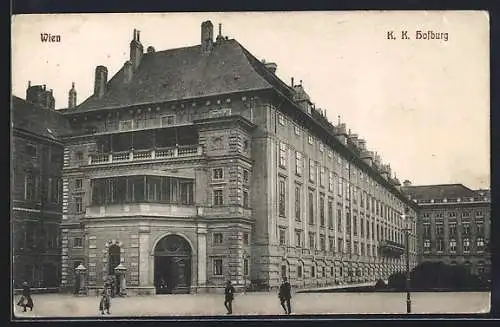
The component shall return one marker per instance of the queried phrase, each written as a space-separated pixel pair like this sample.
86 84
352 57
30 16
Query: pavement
64 305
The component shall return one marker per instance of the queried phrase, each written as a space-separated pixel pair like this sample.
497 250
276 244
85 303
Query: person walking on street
229 297
26 301
285 295
105 302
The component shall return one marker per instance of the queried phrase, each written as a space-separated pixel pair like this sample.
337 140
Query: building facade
453 225
36 203
196 165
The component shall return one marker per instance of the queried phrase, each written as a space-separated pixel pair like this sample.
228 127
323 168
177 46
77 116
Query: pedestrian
26 301
105 302
285 295
229 297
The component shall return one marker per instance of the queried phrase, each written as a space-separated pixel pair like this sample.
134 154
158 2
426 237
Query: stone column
144 256
202 254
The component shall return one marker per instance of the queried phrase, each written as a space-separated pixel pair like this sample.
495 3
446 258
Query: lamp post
407 220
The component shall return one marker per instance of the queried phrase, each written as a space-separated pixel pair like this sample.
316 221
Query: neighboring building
36 161
453 225
194 165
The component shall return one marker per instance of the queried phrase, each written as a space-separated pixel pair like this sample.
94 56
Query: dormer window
281 119
297 130
310 139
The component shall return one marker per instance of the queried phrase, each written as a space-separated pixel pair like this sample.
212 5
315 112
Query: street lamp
122 284
80 273
407 220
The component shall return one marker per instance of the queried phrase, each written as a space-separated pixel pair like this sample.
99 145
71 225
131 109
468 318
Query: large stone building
453 225
195 165
36 204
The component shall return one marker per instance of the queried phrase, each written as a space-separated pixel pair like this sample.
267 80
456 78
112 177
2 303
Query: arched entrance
172 265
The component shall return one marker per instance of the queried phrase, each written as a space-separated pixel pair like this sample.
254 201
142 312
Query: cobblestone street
58 305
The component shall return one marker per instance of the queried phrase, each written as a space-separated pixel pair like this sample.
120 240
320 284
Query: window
310 139
217 174
427 230
298 238
439 229
331 222
31 150
331 245
313 272
480 243
480 228
282 236
348 222
125 124
217 267
340 245
339 220
466 229
347 187
322 243
339 187
354 195
245 176
362 227
312 170
466 245
78 204
78 156
362 199
355 224
322 176
281 119
453 245
356 250
281 199
323 271
311 208
330 181
452 214
246 239
426 215
312 242
298 163
322 210
362 245
29 187
245 267
282 155
217 238
78 184
299 271
466 214
77 242
479 213
218 198
297 130
427 245
440 244
168 120
321 147
245 199
297 202
452 230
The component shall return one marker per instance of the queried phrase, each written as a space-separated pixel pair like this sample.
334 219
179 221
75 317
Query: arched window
113 259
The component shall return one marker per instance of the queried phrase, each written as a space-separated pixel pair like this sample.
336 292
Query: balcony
185 151
141 209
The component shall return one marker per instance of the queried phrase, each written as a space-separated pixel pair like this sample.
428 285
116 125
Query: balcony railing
134 209
149 154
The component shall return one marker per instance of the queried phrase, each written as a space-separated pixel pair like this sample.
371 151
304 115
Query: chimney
362 144
207 37
341 133
136 49
271 66
367 156
72 96
406 183
101 79
219 36
128 71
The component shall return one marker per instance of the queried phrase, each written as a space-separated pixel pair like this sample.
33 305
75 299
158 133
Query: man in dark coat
105 303
26 301
229 297
285 295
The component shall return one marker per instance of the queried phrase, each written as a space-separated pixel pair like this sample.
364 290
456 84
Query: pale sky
423 105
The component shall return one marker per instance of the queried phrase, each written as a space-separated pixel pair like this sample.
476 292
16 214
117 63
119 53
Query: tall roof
439 192
186 73
32 118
